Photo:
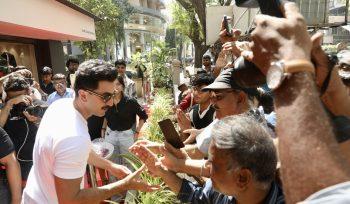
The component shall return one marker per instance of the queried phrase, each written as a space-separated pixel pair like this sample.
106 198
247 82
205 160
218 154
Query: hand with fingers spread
193 134
133 182
148 158
279 38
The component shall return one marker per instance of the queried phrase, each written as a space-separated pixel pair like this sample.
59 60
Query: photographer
18 123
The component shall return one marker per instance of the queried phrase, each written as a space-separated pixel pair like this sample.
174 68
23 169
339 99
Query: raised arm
310 157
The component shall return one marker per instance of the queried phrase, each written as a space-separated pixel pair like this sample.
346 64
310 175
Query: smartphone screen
170 133
227 26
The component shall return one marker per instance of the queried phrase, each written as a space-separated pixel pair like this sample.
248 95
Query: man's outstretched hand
133 182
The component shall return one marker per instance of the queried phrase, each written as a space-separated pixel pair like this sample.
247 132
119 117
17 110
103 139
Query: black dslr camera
37 109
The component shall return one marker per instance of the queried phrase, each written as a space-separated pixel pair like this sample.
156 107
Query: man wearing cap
227 98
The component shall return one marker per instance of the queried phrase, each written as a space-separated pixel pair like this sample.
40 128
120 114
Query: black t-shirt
95 124
6 145
122 116
48 89
16 127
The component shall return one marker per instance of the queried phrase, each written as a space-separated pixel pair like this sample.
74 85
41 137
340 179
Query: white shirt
204 138
61 149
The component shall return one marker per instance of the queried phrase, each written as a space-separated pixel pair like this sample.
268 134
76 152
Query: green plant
160 109
159 57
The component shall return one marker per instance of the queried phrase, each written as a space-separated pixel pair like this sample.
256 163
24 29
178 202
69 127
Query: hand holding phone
227 26
170 133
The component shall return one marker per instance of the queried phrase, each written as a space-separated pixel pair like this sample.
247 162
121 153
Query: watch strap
295 66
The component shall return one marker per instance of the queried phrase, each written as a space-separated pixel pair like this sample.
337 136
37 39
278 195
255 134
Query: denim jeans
121 140
5 194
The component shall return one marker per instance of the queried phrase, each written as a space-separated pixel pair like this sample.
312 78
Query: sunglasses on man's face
219 95
105 96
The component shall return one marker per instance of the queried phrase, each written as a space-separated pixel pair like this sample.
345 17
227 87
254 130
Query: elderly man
60 84
227 98
241 166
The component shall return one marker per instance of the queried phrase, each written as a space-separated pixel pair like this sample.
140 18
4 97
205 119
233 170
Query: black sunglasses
105 97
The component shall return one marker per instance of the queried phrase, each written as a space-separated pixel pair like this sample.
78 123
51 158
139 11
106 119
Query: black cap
225 81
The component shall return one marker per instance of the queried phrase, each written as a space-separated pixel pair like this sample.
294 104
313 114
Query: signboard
45 19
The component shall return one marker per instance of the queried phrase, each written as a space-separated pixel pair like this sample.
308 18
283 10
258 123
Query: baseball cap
223 81
226 81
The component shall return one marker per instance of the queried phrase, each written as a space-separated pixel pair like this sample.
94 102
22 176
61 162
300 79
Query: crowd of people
284 141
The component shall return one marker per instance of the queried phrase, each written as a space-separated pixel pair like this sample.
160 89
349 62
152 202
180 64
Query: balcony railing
146 28
151 12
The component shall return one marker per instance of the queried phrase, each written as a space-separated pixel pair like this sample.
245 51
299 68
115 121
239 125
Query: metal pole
346 12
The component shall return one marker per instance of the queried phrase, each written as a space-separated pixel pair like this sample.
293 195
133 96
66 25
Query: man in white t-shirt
63 148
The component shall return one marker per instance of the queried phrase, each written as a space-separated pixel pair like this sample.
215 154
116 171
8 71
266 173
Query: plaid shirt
191 193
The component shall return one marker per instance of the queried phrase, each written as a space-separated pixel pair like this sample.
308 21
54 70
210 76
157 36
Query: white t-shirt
204 138
61 149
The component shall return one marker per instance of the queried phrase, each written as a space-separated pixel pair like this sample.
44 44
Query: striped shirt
195 194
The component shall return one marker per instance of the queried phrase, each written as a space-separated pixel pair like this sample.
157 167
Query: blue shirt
55 96
195 194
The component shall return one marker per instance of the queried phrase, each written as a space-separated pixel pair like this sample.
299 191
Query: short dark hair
72 59
250 145
46 71
120 62
15 82
58 76
91 72
206 57
202 79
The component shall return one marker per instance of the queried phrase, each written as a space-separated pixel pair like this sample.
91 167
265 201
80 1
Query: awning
46 19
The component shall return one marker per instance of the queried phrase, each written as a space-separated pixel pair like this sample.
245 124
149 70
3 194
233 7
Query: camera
37 109
245 73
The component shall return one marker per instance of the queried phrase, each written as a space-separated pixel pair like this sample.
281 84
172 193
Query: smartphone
227 27
170 133
267 7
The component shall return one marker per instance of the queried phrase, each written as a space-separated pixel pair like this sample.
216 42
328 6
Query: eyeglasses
59 83
198 89
219 95
344 66
105 96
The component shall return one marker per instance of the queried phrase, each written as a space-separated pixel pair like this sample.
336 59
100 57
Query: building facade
32 32
146 25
